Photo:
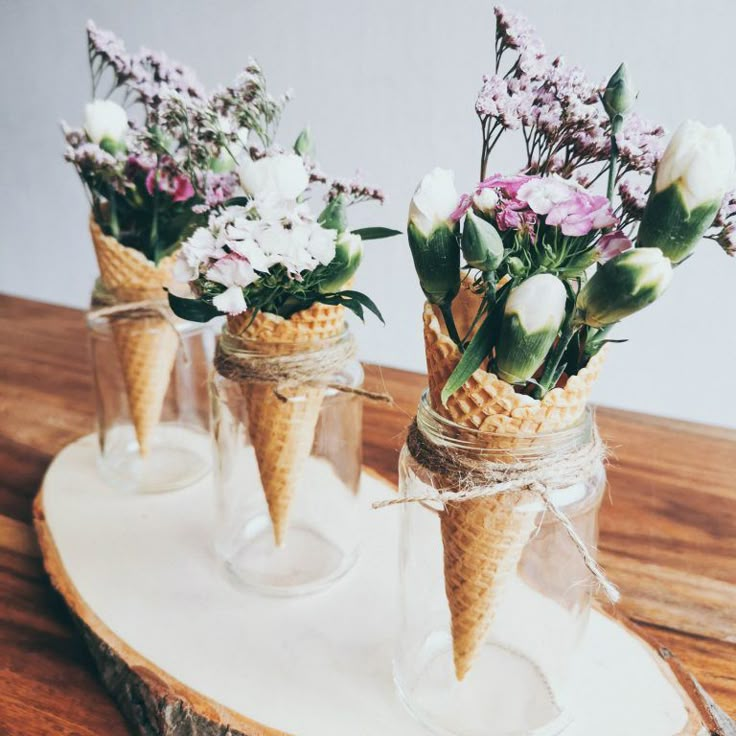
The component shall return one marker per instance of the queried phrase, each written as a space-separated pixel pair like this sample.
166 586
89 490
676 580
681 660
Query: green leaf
193 310
375 233
366 301
352 300
236 202
474 355
334 216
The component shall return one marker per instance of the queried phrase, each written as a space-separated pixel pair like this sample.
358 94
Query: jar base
504 694
307 562
178 457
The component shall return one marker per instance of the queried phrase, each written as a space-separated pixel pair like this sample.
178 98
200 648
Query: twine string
106 304
468 480
309 367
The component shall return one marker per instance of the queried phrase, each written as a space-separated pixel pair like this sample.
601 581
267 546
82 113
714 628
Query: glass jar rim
439 428
100 323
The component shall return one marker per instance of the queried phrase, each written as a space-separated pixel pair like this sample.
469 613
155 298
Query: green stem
446 309
616 125
550 374
114 224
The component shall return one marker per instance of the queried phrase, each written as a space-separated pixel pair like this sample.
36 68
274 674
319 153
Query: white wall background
388 87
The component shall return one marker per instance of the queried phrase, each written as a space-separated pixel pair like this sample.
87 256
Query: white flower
322 243
198 247
434 201
700 161
485 201
538 302
231 301
105 119
542 194
282 176
232 270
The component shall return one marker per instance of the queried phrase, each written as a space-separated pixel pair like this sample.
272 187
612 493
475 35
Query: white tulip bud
694 173
433 202
534 313
433 236
624 285
105 120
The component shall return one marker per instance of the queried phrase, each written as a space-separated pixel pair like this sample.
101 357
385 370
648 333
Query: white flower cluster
242 243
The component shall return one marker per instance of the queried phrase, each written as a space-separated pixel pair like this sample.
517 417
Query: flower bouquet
281 271
144 175
516 339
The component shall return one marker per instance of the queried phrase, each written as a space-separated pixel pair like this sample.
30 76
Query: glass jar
528 619
287 472
150 381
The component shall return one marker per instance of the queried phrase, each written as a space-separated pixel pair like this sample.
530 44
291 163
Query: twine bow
482 478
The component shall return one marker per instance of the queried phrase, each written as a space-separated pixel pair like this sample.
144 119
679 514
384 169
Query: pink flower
509 185
462 207
513 215
611 245
178 186
581 214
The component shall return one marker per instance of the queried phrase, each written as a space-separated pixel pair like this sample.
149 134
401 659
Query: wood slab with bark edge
155 702
668 527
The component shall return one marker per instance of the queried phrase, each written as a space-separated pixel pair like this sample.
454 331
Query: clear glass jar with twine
498 569
150 383
287 429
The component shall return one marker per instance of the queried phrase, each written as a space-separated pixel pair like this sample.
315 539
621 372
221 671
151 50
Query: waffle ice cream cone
483 538
282 422
146 343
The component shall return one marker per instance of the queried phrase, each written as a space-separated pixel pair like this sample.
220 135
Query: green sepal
669 225
340 269
519 354
193 310
437 262
481 244
334 215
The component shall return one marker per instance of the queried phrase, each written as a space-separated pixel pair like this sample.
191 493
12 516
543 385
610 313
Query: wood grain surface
668 528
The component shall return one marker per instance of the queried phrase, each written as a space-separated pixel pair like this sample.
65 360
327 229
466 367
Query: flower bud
534 312
433 236
304 144
106 123
624 285
481 244
342 268
620 94
694 173
485 201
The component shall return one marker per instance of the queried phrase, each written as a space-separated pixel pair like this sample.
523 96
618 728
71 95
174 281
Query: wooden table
668 528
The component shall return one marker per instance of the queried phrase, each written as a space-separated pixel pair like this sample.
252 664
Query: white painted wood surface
316 666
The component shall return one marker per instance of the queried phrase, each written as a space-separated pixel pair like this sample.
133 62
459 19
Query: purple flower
610 245
581 214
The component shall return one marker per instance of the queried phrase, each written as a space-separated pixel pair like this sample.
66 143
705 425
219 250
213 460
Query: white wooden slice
185 653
